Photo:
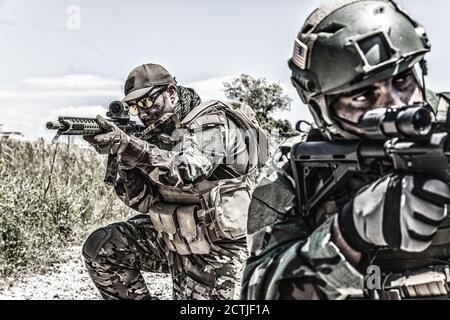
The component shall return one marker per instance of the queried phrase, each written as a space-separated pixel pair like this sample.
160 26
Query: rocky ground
69 280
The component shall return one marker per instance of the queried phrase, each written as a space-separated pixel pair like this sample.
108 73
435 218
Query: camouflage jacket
196 184
291 257
212 150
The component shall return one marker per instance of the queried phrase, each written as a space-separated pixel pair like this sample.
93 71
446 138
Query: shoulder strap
445 95
198 110
257 137
442 105
261 141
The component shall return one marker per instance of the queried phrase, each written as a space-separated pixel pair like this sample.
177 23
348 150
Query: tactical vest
193 218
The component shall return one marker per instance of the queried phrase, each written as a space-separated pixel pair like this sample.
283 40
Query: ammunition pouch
227 209
180 228
186 195
219 212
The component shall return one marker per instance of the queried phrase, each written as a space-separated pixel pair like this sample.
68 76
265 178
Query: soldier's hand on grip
397 211
113 140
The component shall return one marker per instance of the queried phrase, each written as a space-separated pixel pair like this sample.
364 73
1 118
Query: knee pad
95 242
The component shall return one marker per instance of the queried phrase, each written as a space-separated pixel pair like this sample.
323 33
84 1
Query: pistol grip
111 170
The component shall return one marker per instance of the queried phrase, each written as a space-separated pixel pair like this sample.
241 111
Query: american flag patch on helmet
300 54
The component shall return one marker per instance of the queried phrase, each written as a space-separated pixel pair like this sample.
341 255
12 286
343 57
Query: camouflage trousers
116 254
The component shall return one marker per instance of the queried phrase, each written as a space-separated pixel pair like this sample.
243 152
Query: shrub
51 196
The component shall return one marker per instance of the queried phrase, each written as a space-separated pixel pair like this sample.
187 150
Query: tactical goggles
145 103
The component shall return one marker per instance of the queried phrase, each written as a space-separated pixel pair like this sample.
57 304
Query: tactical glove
397 211
113 141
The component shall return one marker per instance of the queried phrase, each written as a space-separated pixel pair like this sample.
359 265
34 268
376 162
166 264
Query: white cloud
67 86
79 111
210 89
47 94
27 108
74 81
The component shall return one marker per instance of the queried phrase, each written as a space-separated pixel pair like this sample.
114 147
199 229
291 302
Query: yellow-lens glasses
144 103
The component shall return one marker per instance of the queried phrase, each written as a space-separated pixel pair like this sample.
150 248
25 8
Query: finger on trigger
101 138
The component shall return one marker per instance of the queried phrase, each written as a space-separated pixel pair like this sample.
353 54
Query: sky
64 57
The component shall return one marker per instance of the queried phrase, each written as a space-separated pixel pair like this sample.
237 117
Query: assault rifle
407 139
118 113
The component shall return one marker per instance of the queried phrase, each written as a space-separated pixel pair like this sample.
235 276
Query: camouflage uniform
134 246
343 48
170 179
293 257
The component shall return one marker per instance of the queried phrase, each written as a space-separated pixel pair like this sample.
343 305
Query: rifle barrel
75 126
53 125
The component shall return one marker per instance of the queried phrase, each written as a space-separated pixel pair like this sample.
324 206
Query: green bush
51 196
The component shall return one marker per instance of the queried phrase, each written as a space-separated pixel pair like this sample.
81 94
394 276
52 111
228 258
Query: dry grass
46 205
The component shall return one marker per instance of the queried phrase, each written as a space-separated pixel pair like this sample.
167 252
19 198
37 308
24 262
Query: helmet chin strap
332 128
424 66
352 127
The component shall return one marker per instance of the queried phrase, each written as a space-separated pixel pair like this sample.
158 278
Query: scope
118 110
408 121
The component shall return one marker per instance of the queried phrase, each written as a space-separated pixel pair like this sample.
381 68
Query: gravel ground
69 280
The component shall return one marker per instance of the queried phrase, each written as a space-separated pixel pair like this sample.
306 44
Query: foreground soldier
190 179
351 57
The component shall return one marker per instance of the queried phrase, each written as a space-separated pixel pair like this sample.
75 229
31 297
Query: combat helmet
345 45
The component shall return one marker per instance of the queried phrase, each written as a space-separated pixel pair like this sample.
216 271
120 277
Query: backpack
245 118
